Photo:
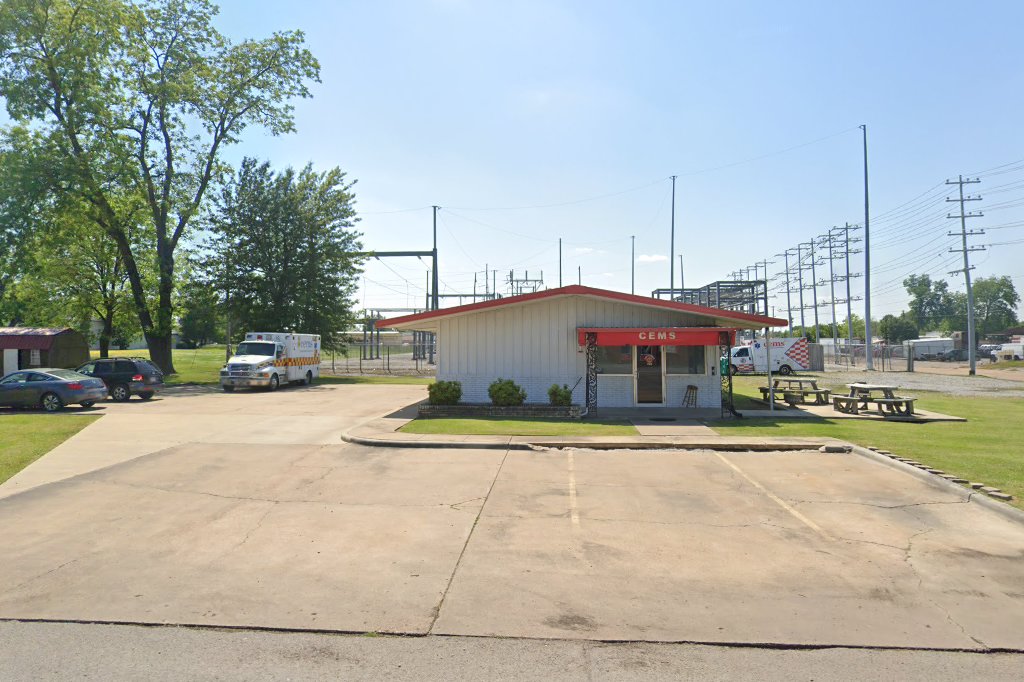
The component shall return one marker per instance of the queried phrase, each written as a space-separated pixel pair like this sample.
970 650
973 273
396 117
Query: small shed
25 347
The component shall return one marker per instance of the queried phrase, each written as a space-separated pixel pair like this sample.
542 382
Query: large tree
141 98
283 246
932 304
995 304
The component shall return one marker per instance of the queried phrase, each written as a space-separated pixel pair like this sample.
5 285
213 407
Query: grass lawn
24 438
986 449
520 427
202 366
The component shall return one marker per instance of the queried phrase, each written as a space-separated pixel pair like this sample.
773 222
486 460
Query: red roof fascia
578 290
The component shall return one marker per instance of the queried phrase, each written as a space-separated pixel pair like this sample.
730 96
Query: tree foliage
932 305
138 99
898 328
995 304
283 245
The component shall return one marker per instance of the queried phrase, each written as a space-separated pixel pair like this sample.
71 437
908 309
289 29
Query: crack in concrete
908 560
457 506
465 545
44 574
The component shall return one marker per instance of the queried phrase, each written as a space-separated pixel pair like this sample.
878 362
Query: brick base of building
483 410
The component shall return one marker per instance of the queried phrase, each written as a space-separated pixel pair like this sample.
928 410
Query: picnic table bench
794 392
860 398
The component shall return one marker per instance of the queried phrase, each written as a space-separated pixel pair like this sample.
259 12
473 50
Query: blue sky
486 108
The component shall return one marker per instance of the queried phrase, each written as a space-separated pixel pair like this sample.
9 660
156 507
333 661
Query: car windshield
66 374
254 348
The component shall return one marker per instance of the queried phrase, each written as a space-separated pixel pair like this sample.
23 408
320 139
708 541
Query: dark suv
125 376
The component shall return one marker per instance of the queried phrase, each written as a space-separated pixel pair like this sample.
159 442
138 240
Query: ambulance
789 354
270 359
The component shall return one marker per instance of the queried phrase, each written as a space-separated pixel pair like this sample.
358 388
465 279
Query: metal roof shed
25 347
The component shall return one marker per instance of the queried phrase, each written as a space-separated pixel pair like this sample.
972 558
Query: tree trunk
160 351
106 333
160 339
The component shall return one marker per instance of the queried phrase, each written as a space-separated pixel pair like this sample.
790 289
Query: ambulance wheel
733 370
785 370
309 378
274 382
228 389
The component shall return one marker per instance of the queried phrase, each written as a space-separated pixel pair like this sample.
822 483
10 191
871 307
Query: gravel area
922 381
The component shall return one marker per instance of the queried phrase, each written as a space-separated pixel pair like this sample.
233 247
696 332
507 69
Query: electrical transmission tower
966 250
524 284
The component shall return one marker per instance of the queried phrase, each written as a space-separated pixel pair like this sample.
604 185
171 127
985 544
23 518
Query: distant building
25 347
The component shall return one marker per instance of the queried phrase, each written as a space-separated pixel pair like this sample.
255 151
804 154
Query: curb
458 445
727 446
1004 510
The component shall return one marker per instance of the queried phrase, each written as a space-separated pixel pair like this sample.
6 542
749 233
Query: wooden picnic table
862 395
795 390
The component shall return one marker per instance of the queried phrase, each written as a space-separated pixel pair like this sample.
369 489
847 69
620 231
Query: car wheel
228 389
274 382
120 393
146 396
88 403
309 378
785 370
51 402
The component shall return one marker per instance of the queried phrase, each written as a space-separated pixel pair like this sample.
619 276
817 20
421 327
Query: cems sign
656 336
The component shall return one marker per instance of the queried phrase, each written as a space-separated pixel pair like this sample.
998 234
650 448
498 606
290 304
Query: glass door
649 375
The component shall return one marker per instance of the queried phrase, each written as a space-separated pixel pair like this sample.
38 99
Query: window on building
685 359
35 359
615 359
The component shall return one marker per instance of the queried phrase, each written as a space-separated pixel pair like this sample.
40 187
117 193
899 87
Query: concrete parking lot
244 518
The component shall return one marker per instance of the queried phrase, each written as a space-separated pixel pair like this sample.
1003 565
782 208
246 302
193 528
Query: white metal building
612 349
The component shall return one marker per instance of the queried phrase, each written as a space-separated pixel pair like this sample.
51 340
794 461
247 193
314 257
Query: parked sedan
50 389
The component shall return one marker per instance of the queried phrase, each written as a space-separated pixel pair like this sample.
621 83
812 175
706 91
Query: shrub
505 393
445 393
560 396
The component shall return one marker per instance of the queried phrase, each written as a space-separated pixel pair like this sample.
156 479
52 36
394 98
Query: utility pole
579 274
868 346
814 294
434 279
672 242
487 280
632 264
681 287
832 293
800 286
559 261
964 233
789 303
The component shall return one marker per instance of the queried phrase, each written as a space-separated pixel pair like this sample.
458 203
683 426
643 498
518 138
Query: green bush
505 393
560 396
445 393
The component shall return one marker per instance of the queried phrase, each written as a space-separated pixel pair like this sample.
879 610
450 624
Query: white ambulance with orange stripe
269 359
789 354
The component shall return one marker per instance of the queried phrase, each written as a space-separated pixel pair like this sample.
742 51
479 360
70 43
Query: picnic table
862 396
795 390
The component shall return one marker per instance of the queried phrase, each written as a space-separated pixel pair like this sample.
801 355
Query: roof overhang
429 321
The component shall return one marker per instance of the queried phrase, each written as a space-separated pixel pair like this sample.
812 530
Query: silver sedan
50 389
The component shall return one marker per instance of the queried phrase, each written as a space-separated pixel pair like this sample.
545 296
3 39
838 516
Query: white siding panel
535 345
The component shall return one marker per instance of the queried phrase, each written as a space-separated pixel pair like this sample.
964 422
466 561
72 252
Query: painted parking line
776 499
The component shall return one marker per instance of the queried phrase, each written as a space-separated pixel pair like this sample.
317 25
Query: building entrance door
649 384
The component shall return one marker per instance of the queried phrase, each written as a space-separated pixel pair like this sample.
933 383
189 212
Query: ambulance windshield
255 348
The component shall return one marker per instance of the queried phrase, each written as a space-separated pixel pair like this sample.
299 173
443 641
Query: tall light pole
559 261
632 264
672 243
868 347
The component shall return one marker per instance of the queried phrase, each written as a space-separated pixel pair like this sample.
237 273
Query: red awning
656 336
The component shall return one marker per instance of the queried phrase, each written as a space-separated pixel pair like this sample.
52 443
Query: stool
690 399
